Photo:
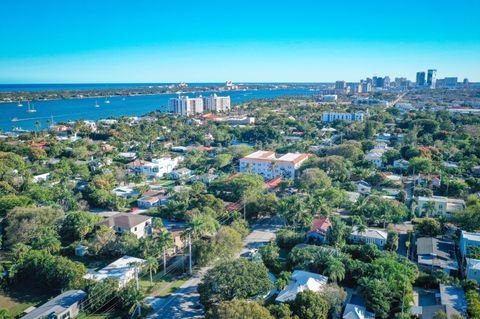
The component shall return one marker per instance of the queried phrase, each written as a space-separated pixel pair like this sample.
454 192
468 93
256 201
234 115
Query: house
157 168
353 196
428 181
401 163
153 199
363 187
375 156
266 164
181 173
440 205
353 311
138 225
41 178
65 305
472 269
319 231
128 155
206 178
369 236
125 192
468 239
122 269
434 253
301 281
453 300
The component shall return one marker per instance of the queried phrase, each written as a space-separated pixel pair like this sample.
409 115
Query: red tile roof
273 183
320 224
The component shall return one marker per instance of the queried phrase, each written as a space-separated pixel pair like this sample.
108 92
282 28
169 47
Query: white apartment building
348 117
266 164
468 239
442 205
185 105
216 103
157 168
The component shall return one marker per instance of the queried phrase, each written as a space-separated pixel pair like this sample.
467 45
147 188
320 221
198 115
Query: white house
468 239
265 163
363 187
442 205
369 235
122 269
301 281
347 117
401 163
180 173
375 155
472 269
139 225
157 168
125 192
41 177
65 305
353 311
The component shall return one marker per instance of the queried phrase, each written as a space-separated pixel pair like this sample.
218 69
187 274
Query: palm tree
152 264
335 270
429 208
37 125
202 225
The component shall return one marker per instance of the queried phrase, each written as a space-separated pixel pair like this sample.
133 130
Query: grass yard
162 285
19 298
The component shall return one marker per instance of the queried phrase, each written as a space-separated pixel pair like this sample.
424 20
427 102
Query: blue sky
53 41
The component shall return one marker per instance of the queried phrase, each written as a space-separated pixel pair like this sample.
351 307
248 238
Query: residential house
125 192
472 269
206 178
319 231
181 173
266 164
299 282
369 236
157 168
468 239
439 205
353 311
435 253
153 199
363 187
401 163
63 306
139 225
41 178
428 181
128 155
122 269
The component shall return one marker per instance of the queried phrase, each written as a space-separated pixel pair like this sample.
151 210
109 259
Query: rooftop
301 281
124 220
370 233
57 305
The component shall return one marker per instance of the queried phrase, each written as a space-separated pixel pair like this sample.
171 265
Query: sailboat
107 101
31 109
96 104
19 103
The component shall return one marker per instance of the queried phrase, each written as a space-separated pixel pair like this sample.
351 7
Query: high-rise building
465 82
450 82
432 78
420 79
354 87
185 105
340 85
216 103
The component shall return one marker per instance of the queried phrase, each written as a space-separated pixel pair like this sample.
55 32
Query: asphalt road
185 302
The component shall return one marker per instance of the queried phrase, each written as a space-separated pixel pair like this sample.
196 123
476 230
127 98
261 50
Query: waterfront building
348 117
216 103
185 105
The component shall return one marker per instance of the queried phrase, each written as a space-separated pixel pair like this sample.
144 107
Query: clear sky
53 41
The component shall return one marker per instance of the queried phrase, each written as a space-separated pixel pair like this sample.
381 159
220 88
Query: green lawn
162 285
17 299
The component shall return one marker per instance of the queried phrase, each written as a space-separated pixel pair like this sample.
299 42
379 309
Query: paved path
185 302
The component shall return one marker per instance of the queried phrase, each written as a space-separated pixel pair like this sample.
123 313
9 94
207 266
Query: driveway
185 301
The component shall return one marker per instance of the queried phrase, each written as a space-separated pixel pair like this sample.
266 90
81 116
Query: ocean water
76 109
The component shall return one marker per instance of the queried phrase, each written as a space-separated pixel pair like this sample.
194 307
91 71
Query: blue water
76 109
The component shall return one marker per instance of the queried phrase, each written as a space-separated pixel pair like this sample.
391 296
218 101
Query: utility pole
190 254
164 261
136 277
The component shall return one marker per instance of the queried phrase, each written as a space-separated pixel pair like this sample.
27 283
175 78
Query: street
185 302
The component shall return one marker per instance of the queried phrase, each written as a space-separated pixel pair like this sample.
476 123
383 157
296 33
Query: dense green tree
77 225
239 309
8 202
238 279
310 305
428 227
314 178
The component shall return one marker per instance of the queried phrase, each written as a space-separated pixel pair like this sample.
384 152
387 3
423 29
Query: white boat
107 101
96 104
31 109
19 103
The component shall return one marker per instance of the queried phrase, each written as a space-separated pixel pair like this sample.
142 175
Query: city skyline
122 41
